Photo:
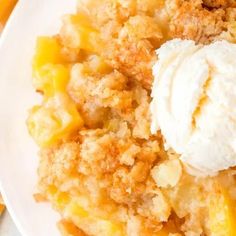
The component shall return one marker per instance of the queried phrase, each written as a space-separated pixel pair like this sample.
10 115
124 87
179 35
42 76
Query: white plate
18 153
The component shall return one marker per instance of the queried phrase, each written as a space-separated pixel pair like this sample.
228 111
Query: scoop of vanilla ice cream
194 102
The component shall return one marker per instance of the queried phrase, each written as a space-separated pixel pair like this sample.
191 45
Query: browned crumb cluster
108 175
132 30
194 21
219 3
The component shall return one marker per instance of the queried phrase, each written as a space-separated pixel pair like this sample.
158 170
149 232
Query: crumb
197 23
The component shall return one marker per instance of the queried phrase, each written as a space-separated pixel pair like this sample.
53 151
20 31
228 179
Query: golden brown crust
132 52
196 23
219 3
130 31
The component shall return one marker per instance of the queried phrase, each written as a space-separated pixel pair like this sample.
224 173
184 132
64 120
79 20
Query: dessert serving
136 127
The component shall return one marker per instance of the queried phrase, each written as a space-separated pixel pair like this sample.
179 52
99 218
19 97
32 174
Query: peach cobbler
100 165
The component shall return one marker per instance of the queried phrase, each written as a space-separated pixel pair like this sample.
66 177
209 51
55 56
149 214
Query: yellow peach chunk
48 51
54 120
51 79
222 214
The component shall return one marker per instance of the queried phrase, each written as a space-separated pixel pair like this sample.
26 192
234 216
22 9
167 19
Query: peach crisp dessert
100 165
